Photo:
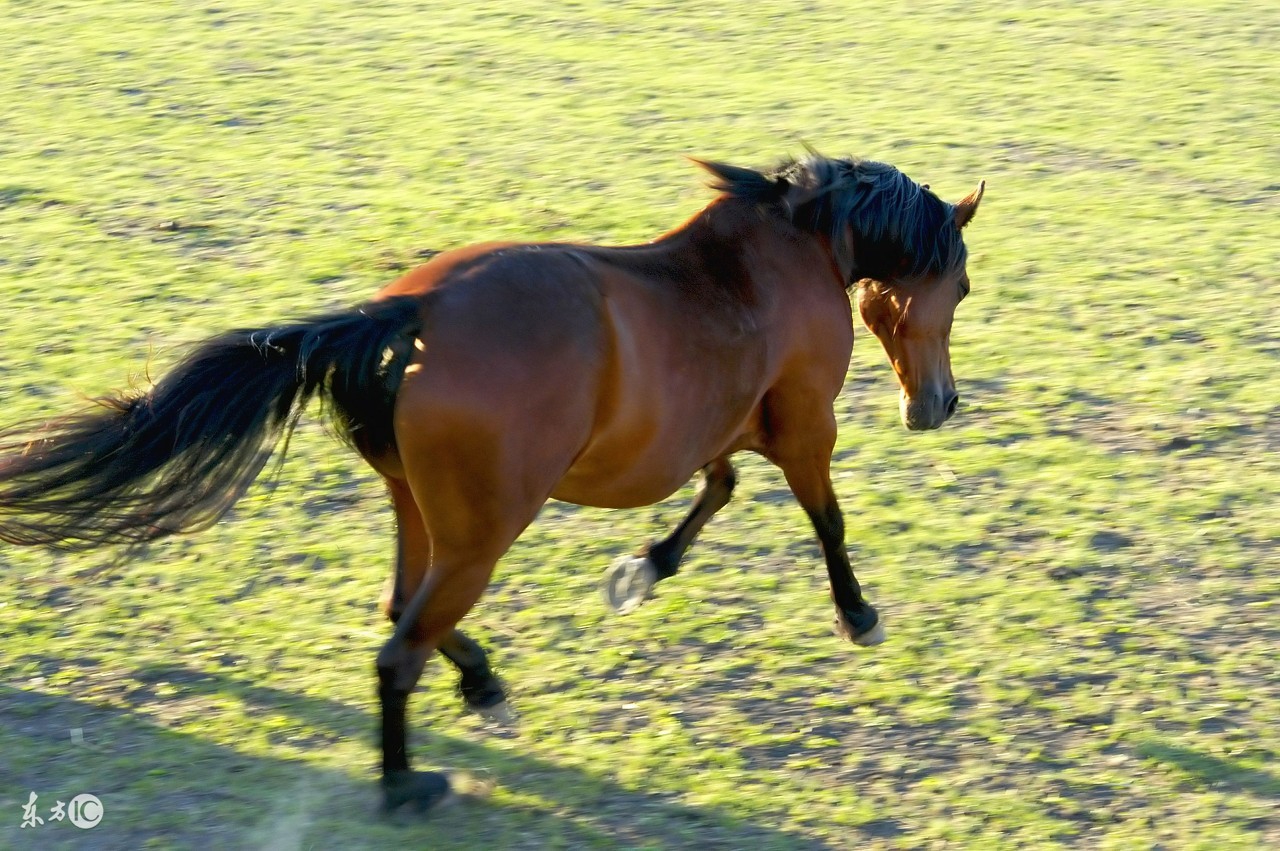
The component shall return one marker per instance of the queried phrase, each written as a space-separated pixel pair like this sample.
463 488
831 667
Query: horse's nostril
952 402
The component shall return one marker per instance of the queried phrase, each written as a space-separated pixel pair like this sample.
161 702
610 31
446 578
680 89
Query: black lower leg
394 701
857 614
422 790
715 495
479 686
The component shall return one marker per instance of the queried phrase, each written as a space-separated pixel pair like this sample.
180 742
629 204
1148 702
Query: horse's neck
731 248
761 243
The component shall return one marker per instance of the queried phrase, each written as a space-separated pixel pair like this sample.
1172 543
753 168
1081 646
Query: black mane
901 230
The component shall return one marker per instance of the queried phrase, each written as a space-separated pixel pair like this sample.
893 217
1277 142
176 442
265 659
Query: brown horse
498 376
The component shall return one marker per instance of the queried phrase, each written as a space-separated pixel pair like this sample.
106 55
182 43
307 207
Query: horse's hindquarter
506 366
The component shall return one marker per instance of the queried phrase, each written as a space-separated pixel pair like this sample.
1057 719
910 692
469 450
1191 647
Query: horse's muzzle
928 411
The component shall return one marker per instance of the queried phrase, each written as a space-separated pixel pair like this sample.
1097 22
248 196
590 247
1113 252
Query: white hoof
871 637
629 582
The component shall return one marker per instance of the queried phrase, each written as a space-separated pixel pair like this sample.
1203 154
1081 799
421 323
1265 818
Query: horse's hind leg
629 581
473 506
413 559
479 687
455 580
413 550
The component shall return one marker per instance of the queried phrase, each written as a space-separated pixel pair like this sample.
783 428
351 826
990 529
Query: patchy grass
1079 576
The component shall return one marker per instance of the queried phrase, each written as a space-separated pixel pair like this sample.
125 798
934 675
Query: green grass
1079 574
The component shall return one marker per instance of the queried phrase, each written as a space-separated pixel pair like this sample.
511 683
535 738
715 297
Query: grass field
1079 574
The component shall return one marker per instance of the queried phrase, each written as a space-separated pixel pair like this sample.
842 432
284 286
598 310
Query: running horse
498 376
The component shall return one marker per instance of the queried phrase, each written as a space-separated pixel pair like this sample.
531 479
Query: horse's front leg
856 619
629 581
804 456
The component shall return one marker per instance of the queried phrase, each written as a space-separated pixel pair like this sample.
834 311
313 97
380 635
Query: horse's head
894 239
912 318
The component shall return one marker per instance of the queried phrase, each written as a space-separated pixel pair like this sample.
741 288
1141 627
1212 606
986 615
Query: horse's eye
964 288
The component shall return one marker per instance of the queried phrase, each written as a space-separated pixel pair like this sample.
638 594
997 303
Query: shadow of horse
174 789
1207 771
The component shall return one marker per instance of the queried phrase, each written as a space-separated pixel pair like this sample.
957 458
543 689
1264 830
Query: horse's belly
596 483
628 468
585 488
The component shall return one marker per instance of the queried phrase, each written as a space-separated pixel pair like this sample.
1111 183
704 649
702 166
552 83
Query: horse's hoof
867 636
500 713
629 582
871 637
422 791
482 693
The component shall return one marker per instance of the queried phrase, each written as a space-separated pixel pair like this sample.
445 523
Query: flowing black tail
176 458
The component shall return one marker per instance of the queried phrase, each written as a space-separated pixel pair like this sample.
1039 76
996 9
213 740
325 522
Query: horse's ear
969 205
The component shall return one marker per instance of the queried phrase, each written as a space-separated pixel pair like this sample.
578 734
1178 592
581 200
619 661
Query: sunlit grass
1078 574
